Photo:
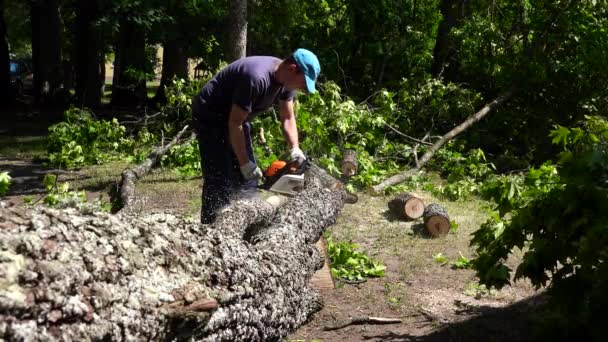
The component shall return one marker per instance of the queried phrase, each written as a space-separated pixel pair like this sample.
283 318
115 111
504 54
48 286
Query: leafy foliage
558 216
350 264
330 122
5 182
82 140
60 194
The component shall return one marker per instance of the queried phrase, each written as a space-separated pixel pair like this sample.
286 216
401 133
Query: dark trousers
221 172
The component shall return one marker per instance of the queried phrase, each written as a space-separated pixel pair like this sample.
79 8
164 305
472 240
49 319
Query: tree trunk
237 34
436 220
128 86
6 95
175 64
406 206
470 121
46 49
445 61
85 275
87 55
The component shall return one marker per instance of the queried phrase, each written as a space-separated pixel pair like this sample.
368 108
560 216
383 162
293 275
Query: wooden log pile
409 206
82 275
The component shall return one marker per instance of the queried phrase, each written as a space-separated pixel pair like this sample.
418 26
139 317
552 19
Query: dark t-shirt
248 82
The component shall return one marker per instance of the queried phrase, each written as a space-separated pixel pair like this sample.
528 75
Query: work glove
251 171
296 156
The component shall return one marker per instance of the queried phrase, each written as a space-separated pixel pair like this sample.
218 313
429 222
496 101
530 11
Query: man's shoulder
256 66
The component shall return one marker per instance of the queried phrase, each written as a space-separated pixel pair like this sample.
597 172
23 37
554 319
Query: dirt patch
434 301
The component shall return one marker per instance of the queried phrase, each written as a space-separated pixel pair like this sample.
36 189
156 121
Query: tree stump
349 163
406 206
436 220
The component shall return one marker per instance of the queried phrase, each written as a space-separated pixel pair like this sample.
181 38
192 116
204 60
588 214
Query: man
223 111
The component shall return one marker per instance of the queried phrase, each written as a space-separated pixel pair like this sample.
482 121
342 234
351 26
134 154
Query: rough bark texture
406 206
470 121
349 163
436 220
79 275
237 30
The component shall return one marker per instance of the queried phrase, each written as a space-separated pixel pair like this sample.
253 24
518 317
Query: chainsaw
285 178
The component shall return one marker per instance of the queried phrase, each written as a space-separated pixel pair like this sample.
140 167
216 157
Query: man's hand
296 156
251 171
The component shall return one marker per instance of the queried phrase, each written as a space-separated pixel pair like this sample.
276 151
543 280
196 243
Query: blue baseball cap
309 64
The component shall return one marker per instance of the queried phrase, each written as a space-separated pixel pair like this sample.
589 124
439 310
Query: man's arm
288 124
235 131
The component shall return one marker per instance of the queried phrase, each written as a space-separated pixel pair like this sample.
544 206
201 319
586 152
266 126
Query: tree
5 79
133 22
87 54
175 45
46 49
237 30
445 60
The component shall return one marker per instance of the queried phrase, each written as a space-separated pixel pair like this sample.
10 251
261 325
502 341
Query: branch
407 136
129 176
362 320
444 139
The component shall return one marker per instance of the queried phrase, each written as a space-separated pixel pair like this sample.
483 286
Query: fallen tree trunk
396 179
81 275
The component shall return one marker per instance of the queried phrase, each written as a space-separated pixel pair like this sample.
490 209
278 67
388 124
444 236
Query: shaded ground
435 302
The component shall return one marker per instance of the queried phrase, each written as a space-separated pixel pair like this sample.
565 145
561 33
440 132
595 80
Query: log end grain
436 220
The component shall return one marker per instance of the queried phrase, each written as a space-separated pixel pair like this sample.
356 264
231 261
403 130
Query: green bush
5 182
83 140
557 215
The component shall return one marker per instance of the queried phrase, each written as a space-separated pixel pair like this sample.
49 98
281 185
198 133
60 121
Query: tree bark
470 121
436 220
349 163
6 95
129 88
175 64
87 55
237 34
406 206
84 275
46 49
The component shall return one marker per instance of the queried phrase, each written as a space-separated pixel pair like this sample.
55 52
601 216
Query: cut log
349 163
436 220
406 206
81 275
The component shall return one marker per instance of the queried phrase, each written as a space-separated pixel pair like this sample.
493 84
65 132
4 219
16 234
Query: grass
23 146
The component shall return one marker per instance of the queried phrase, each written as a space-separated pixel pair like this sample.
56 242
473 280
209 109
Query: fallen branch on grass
362 320
396 179
130 176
